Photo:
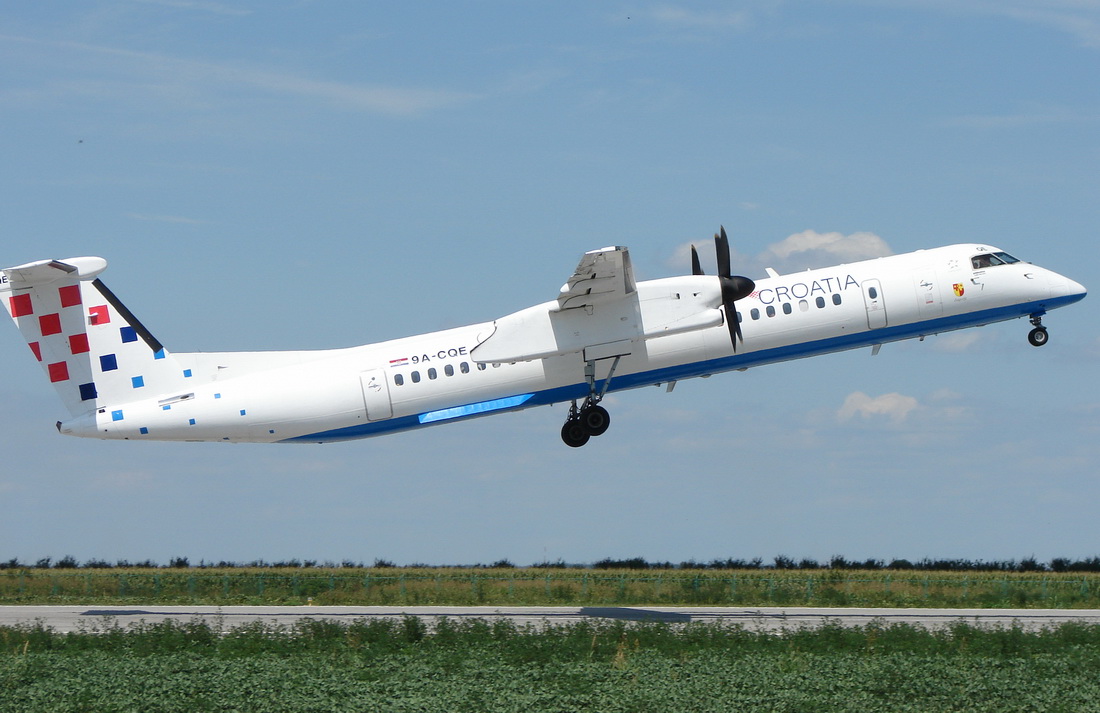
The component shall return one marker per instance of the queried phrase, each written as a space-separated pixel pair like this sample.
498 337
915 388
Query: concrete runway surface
75 618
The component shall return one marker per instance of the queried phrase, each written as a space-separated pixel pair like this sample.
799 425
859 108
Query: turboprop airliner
603 331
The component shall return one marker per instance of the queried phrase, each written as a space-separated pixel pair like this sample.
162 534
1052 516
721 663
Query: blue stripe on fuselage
693 369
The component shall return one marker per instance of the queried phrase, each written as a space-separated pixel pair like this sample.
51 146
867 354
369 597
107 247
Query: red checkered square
99 315
37 349
70 295
78 343
21 305
50 324
59 371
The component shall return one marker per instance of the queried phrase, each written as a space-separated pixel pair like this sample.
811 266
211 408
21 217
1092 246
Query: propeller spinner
734 287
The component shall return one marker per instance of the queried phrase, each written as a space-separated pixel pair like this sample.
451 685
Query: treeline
837 562
780 562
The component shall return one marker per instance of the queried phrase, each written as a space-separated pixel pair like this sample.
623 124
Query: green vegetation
403 665
550 586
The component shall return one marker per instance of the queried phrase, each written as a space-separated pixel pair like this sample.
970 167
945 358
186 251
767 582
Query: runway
76 618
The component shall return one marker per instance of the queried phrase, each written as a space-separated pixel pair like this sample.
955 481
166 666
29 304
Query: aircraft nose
1063 287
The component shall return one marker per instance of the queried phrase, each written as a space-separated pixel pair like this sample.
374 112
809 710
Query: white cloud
1077 18
138 76
381 99
944 395
957 342
849 248
808 249
894 406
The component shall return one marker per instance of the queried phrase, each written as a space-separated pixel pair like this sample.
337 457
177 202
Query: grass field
600 666
541 586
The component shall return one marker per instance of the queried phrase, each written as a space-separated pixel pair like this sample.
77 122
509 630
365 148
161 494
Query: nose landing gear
1038 336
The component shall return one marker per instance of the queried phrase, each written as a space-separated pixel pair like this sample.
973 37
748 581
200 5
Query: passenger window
754 313
431 373
740 318
416 377
836 296
872 293
820 302
398 379
771 311
449 370
786 308
464 368
803 305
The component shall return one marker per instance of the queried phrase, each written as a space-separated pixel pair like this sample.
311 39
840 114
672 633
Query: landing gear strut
1038 336
589 419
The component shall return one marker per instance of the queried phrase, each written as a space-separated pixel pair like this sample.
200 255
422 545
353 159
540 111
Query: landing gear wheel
1038 336
574 433
590 419
595 420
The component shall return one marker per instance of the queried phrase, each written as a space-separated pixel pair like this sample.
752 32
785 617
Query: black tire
1038 336
574 434
595 420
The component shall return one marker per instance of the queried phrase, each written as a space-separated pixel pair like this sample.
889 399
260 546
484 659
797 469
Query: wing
599 304
602 276
601 312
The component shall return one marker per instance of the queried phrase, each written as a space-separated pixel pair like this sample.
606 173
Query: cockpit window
991 259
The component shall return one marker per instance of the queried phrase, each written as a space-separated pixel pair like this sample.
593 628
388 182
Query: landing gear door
876 307
376 394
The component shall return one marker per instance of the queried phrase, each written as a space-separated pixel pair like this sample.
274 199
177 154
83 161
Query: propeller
734 287
696 268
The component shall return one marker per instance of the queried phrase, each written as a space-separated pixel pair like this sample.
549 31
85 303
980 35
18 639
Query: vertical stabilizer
91 347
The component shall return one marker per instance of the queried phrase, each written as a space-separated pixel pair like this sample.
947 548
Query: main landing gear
1038 336
589 419
583 423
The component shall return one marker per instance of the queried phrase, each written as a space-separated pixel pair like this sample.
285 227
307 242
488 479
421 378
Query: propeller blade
722 248
733 325
734 287
696 267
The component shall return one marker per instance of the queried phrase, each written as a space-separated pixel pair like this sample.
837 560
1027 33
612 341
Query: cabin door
876 307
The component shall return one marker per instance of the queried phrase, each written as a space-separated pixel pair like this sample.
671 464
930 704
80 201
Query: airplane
603 332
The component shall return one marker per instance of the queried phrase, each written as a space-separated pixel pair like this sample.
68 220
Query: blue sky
292 175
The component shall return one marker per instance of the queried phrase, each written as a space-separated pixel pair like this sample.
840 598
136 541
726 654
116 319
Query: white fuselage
319 396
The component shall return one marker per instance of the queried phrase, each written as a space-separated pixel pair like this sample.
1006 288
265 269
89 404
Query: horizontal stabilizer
46 271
